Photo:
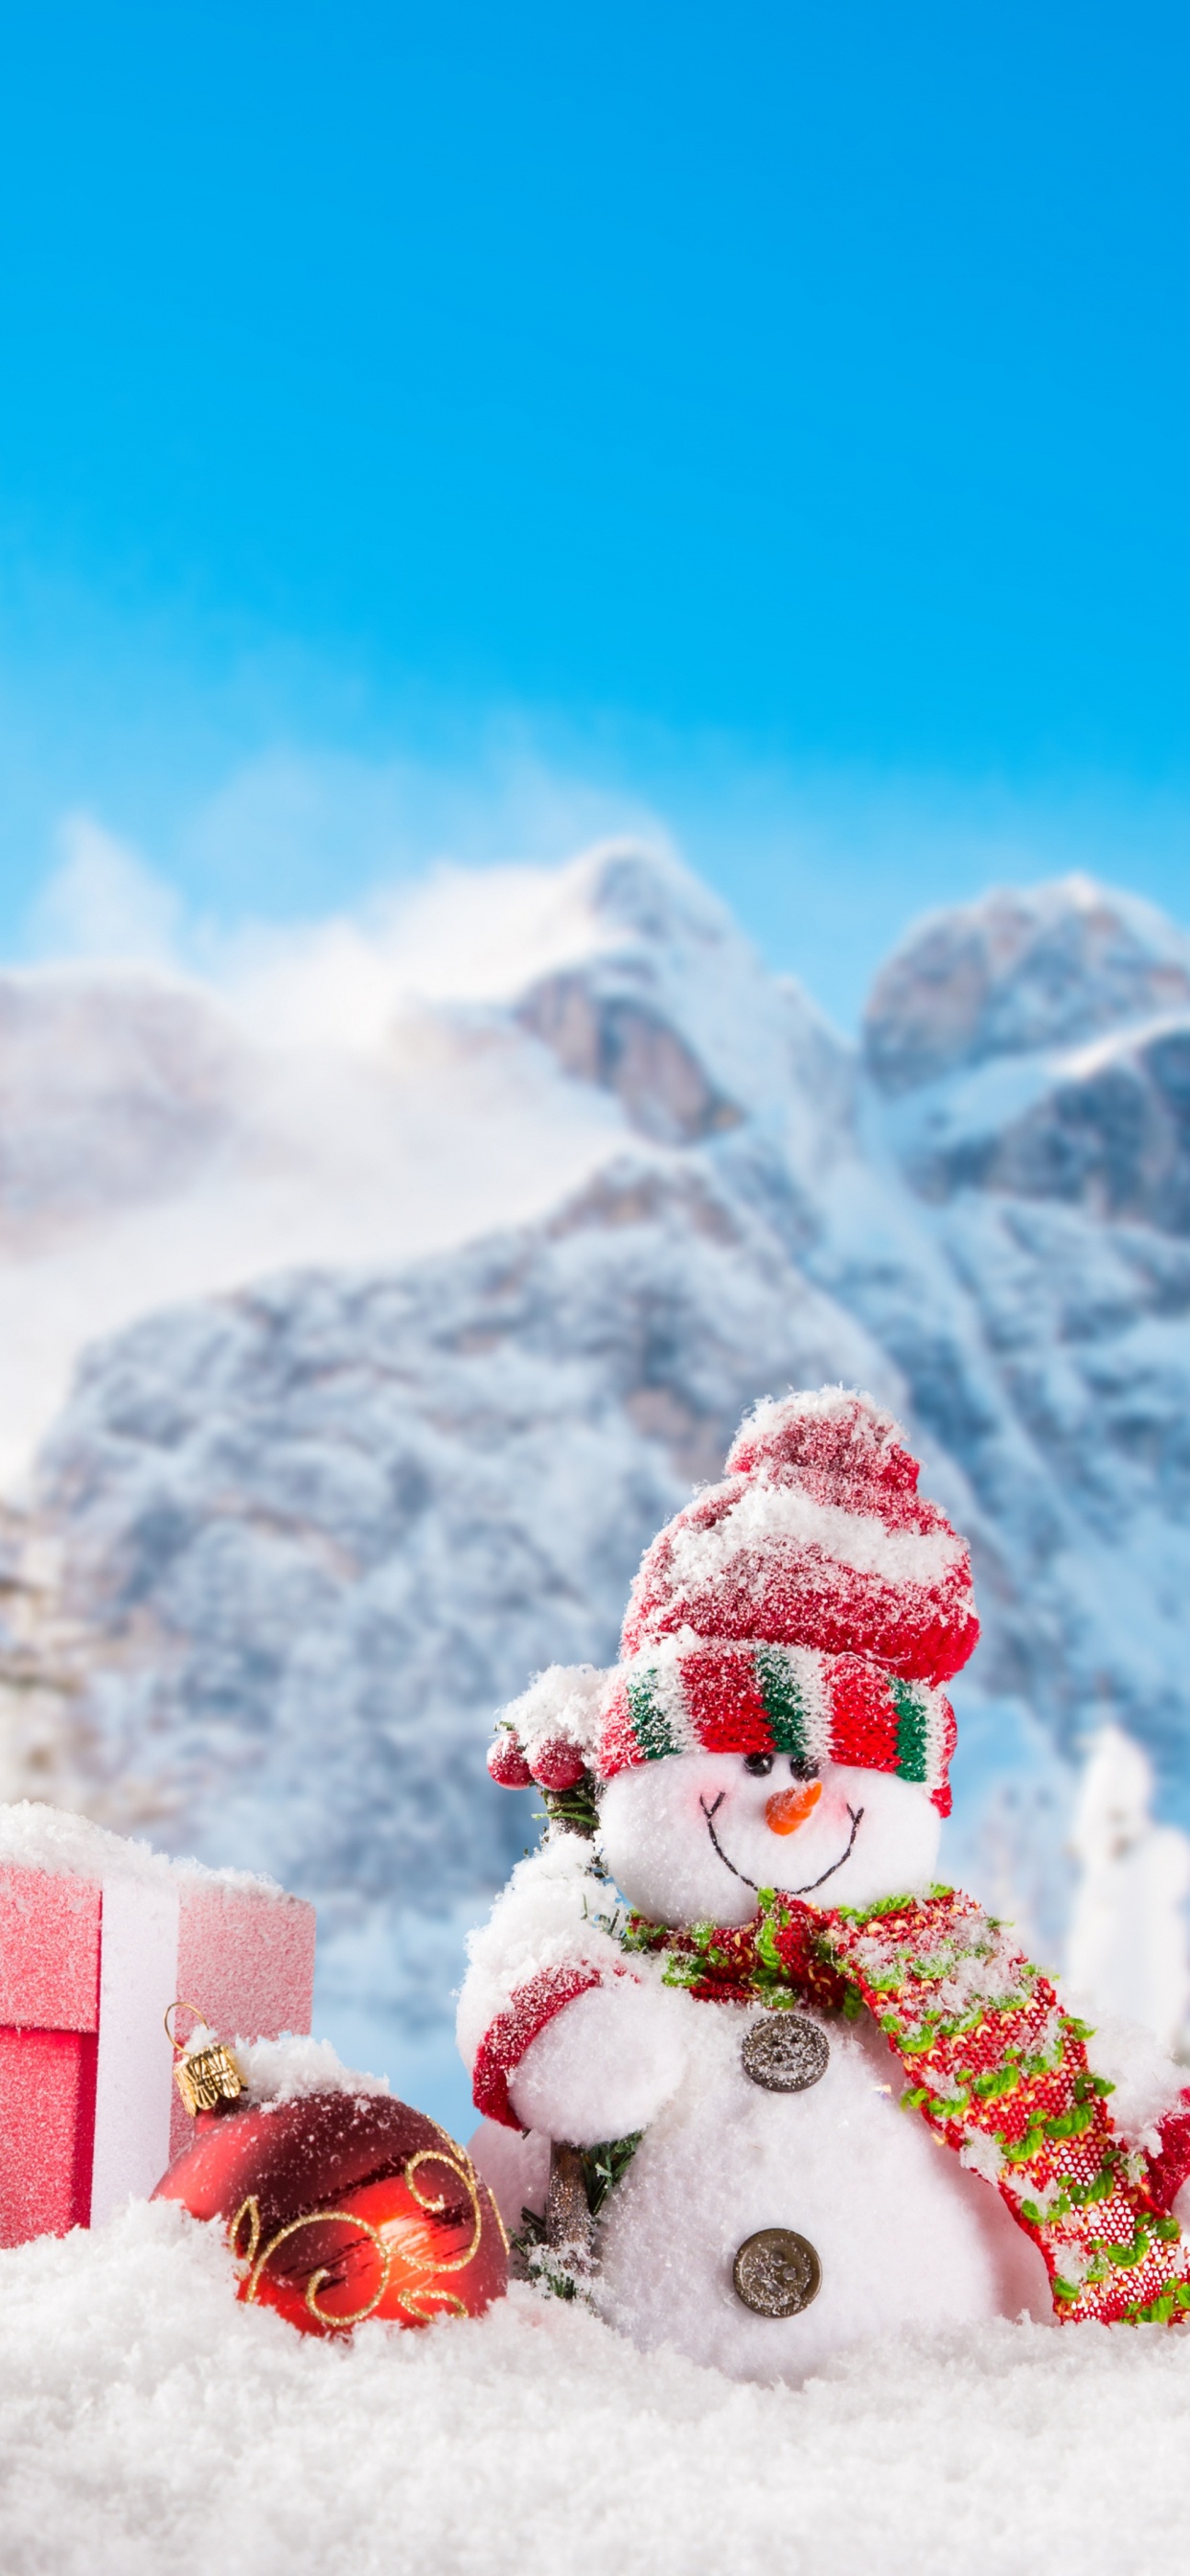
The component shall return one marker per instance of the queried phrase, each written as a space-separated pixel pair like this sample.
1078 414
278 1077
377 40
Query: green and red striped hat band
778 1699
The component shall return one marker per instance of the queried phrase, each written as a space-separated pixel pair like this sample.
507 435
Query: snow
1024 968
470 936
143 1177
34 1835
783 1518
1147 2082
961 1112
350 1095
149 2420
564 1702
549 1916
290 2068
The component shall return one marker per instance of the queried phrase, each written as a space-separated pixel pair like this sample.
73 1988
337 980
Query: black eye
802 1770
759 1764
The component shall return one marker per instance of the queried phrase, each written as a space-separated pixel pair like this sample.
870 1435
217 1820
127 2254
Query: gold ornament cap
205 2077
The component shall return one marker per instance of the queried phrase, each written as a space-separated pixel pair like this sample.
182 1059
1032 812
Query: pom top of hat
817 1536
838 1446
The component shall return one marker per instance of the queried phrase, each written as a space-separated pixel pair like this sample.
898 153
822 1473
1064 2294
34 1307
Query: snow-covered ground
149 2422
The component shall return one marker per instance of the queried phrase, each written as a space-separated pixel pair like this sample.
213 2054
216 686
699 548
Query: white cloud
330 862
296 828
452 935
104 903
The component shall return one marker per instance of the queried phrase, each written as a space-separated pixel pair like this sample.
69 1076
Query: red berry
558 1765
507 1763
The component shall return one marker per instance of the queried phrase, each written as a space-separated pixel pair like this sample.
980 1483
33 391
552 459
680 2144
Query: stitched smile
856 1814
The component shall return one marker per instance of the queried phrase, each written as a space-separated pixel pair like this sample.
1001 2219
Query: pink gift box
97 1939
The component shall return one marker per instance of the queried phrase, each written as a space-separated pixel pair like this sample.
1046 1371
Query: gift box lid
54 1868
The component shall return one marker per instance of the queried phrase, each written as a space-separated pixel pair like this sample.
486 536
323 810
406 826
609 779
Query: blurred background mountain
432 443
350 1358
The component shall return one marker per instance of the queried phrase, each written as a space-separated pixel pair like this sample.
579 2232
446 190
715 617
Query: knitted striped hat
811 1604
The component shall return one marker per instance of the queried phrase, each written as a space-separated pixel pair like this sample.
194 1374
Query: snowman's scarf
996 2067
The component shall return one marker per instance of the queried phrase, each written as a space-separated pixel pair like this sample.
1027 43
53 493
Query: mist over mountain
313 1528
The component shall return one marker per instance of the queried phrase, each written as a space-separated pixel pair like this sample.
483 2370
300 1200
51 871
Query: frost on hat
817 1536
811 1604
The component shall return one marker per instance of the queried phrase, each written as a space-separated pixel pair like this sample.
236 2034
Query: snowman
758 2084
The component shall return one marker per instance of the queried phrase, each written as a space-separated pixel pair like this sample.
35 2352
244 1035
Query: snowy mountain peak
484 935
613 1014
649 895
665 1003
1017 972
1038 1046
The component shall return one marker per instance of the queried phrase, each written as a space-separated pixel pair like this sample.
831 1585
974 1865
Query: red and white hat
812 1604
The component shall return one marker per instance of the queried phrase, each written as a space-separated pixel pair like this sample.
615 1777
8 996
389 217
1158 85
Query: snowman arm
548 1942
604 2067
514 2030
580 2055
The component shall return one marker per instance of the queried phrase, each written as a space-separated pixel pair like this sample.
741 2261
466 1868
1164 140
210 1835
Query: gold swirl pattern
386 2240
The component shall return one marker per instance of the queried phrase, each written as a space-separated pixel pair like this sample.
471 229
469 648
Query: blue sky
471 428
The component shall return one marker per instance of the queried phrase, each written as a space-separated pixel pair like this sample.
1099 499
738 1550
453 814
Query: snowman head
694 1839
777 1718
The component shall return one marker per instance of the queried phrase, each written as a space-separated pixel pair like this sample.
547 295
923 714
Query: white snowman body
902 2235
777 1722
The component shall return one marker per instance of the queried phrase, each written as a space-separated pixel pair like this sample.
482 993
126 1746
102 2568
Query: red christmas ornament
341 2206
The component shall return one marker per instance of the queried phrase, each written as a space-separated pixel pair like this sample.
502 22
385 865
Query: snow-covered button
785 2053
776 2272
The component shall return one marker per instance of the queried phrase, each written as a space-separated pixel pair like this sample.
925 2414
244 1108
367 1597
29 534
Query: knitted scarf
995 2066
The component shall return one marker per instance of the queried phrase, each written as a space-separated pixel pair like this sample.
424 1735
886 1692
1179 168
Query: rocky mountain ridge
313 1532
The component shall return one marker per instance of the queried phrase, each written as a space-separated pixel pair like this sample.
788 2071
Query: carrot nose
790 1807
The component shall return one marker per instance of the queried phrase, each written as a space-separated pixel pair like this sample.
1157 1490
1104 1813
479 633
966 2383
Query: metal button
776 2272
785 2052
